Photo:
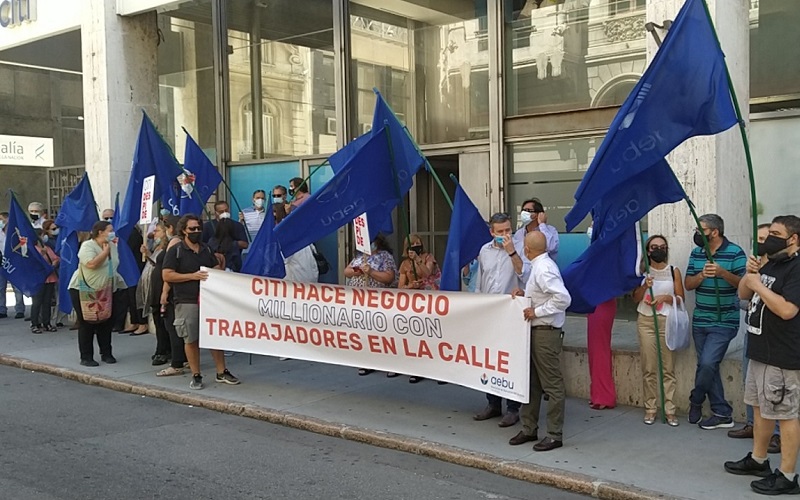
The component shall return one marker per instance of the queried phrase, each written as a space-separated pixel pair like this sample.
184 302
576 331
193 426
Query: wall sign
14 13
26 151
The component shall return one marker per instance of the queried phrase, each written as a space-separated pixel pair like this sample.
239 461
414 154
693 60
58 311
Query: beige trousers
649 359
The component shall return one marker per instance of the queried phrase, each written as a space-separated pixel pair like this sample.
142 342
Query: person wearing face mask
252 218
534 218
107 215
497 273
279 195
666 283
148 293
298 191
773 375
40 306
19 305
222 211
98 260
37 213
419 270
50 234
715 320
167 303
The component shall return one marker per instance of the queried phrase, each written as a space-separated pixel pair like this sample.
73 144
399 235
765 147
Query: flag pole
646 260
707 250
743 133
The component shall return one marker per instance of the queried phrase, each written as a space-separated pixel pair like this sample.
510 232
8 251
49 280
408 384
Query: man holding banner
550 300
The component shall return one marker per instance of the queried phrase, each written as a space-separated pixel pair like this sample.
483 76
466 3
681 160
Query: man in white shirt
534 218
550 300
38 214
252 218
499 271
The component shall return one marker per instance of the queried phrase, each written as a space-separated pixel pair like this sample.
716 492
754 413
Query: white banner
26 151
361 234
476 340
146 207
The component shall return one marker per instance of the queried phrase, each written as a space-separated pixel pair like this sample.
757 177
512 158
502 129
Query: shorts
774 390
187 322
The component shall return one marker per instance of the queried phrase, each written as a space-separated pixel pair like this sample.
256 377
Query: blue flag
630 202
468 233
22 264
189 192
366 182
78 213
683 93
128 267
604 271
152 157
264 255
407 161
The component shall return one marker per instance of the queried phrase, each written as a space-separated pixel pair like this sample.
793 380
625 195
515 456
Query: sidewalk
610 454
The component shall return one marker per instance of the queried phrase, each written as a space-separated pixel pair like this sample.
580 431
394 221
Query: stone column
713 171
120 79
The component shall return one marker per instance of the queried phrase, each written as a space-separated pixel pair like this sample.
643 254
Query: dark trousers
162 334
497 402
87 332
120 309
175 342
136 314
40 305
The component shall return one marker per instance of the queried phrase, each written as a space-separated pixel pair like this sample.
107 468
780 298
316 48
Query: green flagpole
743 133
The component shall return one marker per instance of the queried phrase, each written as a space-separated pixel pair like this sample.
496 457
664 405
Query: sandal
35 329
672 421
364 371
650 417
595 406
168 372
50 328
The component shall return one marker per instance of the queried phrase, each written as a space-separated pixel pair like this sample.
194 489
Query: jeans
711 343
19 307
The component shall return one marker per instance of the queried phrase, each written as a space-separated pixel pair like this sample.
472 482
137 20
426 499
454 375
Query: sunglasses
193 229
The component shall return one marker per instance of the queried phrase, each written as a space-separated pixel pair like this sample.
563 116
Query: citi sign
14 13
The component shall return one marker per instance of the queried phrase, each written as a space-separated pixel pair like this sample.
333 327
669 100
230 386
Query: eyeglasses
193 229
658 247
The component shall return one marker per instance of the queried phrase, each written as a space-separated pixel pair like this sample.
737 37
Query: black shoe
547 444
59 325
89 362
160 359
748 467
3 315
488 412
107 358
19 316
522 438
774 444
776 484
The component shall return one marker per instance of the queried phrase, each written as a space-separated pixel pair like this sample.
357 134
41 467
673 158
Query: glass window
774 52
289 109
564 55
186 78
430 63
775 153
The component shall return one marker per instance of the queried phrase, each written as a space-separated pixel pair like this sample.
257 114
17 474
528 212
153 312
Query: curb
574 482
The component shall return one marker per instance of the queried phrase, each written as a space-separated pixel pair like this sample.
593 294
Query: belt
545 327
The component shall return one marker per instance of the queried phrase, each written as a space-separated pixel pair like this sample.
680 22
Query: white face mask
525 218
258 202
589 233
56 231
225 215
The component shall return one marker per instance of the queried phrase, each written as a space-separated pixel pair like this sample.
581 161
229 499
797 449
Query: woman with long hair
148 293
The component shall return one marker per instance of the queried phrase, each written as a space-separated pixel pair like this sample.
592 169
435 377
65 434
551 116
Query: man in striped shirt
716 317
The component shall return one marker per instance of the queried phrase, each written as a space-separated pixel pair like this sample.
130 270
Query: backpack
322 263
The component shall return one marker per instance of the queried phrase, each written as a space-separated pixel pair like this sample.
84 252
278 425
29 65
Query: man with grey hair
715 321
37 213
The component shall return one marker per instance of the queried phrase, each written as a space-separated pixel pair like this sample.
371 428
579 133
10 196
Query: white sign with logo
146 207
26 151
361 234
475 340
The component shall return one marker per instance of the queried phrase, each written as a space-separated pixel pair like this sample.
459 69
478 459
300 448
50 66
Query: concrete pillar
713 171
120 78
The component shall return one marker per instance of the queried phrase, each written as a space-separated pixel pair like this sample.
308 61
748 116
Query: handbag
96 303
322 263
678 331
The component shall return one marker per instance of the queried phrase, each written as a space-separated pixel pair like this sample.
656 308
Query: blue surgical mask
259 202
164 212
498 240
45 239
111 236
2 225
277 200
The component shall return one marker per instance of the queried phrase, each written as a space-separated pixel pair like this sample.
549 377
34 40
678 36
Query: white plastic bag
678 329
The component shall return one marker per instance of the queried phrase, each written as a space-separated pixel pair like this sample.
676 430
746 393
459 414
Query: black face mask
195 237
658 256
34 217
417 249
774 247
760 250
698 240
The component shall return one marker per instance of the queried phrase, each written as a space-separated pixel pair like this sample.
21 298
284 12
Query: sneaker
695 413
716 422
748 467
197 382
227 377
776 484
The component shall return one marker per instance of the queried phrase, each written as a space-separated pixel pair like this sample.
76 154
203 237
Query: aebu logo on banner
15 12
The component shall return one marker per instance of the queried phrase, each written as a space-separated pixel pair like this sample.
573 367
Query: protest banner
474 340
361 234
146 206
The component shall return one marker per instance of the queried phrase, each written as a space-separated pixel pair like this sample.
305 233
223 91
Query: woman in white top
666 283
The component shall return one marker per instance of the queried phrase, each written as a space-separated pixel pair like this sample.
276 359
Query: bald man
550 299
